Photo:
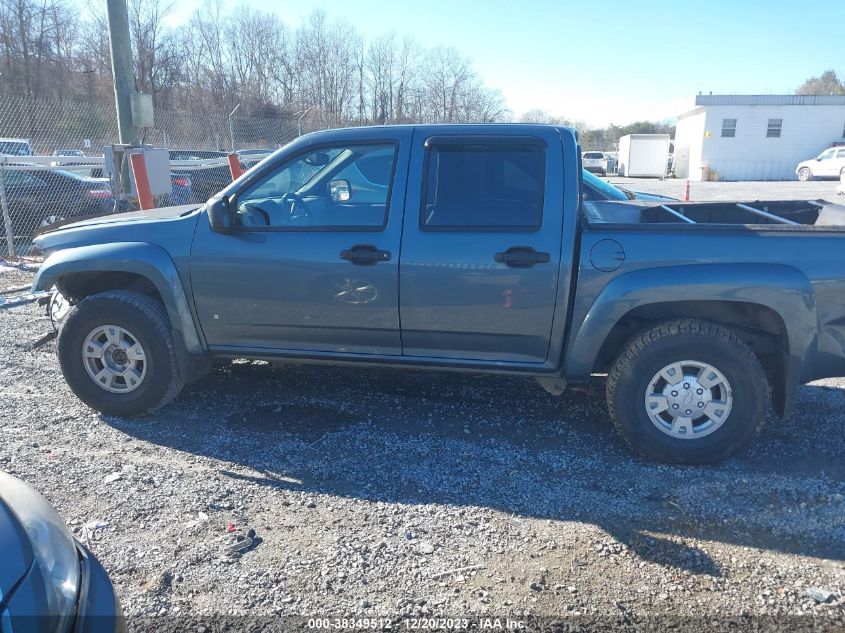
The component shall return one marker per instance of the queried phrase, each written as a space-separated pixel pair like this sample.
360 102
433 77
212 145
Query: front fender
147 260
783 289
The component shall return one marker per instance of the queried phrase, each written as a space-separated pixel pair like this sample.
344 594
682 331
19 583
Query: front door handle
522 257
365 255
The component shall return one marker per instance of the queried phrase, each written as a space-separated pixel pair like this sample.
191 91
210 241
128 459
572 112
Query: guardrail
79 163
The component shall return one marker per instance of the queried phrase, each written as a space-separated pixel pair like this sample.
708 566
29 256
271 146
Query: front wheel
688 392
804 174
117 353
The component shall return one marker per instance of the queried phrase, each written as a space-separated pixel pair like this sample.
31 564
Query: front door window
332 188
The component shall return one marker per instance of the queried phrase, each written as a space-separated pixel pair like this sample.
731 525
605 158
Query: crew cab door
312 263
481 251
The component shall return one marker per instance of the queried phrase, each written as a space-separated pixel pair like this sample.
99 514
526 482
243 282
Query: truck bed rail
786 213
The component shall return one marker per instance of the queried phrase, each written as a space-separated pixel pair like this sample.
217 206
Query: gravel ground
404 494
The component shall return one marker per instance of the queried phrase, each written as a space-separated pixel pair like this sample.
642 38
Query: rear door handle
365 255
522 257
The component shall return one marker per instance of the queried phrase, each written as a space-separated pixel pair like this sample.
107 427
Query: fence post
235 166
7 220
142 181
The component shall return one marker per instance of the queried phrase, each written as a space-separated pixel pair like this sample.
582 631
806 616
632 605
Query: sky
606 62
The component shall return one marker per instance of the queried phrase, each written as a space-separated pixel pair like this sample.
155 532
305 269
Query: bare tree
228 55
37 38
155 47
826 84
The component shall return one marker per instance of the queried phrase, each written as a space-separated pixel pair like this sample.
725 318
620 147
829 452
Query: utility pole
124 86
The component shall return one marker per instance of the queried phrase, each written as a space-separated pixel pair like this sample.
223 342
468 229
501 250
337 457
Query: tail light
181 181
100 194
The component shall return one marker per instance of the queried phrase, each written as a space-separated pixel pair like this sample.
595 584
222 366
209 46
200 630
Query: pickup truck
465 248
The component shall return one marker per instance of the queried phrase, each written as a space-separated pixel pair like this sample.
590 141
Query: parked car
253 154
75 153
39 197
49 581
829 164
594 188
595 162
92 170
181 190
15 147
207 181
504 269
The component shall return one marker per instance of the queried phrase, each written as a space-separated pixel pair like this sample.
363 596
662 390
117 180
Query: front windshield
608 191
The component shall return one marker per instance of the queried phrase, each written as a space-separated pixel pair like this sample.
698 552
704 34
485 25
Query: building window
728 128
774 128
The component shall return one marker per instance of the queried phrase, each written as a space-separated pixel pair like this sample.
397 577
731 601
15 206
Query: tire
140 321
804 174
734 409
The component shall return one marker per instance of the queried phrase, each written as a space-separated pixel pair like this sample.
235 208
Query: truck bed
772 214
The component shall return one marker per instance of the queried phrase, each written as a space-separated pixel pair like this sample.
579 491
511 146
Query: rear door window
483 186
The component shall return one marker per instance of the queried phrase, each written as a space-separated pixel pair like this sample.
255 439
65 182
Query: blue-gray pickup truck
466 248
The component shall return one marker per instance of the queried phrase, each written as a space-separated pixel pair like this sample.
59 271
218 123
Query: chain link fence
52 165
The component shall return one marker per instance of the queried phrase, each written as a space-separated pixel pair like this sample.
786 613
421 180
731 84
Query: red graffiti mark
508 295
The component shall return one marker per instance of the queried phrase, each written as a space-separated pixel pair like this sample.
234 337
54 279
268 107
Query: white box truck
643 155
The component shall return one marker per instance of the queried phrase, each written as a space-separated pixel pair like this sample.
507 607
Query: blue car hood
15 552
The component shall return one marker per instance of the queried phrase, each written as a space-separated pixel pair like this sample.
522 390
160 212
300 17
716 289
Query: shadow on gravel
505 444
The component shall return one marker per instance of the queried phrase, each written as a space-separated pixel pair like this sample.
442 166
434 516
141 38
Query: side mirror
818 157
220 215
339 190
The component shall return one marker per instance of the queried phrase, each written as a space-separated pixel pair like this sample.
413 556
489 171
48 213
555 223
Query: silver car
829 164
595 162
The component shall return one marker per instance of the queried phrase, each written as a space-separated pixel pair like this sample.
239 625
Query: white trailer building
643 155
755 137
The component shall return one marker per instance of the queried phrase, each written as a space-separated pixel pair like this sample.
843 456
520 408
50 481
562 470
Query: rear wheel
117 353
688 392
804 174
